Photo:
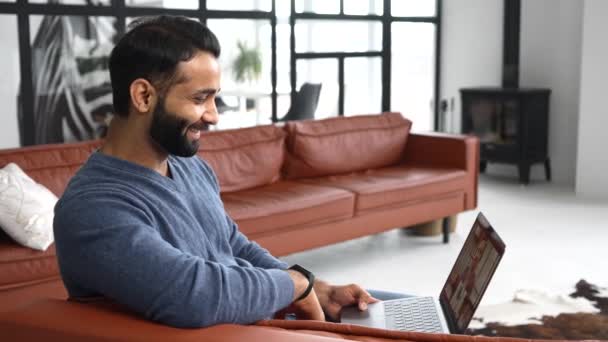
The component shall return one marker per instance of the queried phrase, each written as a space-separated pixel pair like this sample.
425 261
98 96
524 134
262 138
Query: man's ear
143 95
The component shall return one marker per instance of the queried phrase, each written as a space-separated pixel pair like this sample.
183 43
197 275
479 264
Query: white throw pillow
26 208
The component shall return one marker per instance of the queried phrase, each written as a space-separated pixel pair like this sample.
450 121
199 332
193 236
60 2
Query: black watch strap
308 275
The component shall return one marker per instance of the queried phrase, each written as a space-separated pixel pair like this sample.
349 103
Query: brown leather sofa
290 188
53 320
314 183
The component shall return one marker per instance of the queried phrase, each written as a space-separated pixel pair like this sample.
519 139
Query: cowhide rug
581 315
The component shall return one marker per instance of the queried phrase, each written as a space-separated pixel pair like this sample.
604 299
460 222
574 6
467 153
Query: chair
305 103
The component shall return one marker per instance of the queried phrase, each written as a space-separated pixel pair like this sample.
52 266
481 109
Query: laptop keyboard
412 314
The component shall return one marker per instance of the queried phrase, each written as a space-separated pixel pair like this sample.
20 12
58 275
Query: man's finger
362 305
364 299
332 312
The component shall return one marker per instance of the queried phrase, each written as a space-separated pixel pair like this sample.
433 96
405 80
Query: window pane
363 7
11 81
413 72
283 102
317 6
413 8
240 5
251 110
283 59
255 37
343 36
283 10
362 86
179 4
246 89
72 92
73 2
237 119
324 71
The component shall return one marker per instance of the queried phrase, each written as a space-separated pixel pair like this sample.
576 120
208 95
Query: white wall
592 166
471 49
550 57
9 69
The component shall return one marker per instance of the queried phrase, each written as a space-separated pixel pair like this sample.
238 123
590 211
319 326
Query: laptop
453 310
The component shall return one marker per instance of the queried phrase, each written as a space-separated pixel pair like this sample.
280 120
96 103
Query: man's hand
334 298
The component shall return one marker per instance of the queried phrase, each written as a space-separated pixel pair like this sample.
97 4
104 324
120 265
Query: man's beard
170 132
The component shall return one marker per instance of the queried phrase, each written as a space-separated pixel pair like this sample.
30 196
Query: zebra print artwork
72 91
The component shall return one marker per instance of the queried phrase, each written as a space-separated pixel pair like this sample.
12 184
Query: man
142 222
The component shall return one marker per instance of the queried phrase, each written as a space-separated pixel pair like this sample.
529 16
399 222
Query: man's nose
211 115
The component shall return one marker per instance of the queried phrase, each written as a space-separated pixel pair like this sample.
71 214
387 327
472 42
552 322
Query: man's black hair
152 49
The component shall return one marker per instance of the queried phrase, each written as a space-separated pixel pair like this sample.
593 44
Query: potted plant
247 66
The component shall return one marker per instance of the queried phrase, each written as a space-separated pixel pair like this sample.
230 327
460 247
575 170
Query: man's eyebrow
206 91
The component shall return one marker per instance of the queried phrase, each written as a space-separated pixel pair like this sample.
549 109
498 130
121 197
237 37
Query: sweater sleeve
109 246
251 251
242 247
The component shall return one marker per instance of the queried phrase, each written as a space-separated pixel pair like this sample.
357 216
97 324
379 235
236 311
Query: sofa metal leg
446 229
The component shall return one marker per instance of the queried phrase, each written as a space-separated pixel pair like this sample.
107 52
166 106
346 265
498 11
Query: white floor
553 239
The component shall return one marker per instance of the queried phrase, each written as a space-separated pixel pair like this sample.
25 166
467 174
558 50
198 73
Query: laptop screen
471 274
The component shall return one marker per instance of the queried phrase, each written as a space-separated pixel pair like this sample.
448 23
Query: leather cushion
285 203
21 266
50 165
12 298
345 144
244 158
396 185
57 320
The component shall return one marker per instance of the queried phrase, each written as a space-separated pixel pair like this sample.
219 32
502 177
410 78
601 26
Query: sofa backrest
345 144
244 158
50 165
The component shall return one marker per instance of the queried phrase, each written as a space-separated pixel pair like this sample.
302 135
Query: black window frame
118 9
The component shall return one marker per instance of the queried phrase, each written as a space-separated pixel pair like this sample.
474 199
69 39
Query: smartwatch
306 273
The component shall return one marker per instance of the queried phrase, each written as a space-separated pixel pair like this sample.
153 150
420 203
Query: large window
11 79
413 71
370 56
365 56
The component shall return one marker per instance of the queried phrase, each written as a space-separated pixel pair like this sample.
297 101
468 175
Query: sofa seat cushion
21 266
319 148
285 204
244 158
395 185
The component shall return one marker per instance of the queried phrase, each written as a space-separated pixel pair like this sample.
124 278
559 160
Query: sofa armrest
441 149
60 320
57 320
447 151
361 333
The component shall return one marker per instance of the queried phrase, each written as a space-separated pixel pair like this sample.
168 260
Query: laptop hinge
449 318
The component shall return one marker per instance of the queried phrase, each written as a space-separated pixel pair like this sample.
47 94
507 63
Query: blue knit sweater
162 246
